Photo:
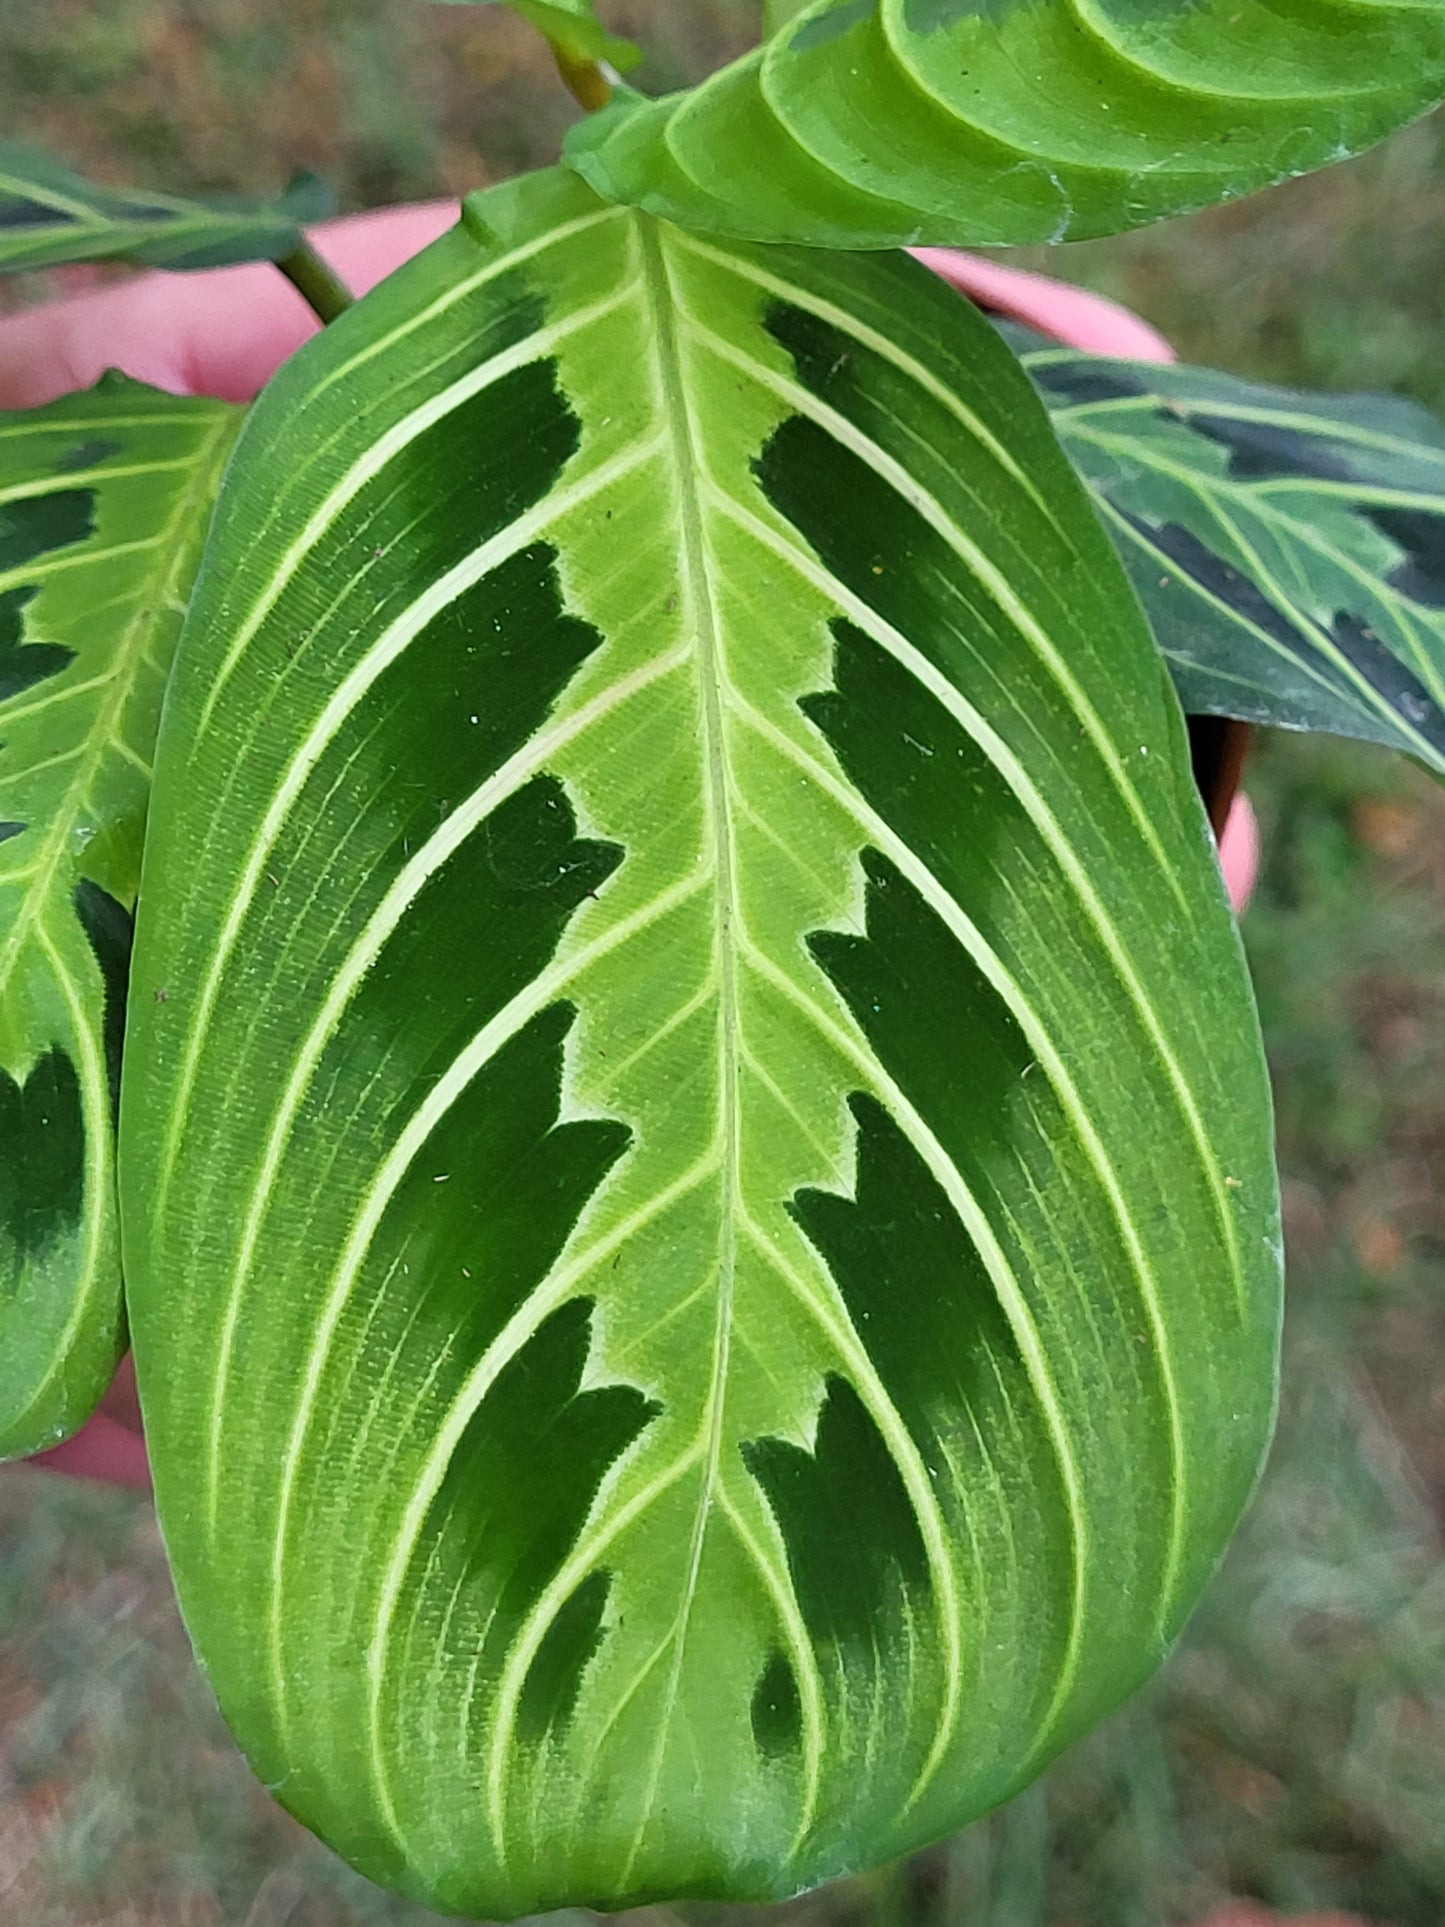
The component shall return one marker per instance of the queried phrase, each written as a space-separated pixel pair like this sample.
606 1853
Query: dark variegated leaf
699 1215
103 501
50 216
1289 549
875 123
572 27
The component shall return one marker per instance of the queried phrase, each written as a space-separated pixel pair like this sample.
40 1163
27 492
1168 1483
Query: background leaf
50 216
104 498
1289 549
571 25
700 1224
876 123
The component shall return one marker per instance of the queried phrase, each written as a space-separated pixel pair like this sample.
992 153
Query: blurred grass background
1293 1752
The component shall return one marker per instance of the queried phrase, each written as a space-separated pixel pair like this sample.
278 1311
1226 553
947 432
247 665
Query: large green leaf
698 1203
50 216
104 499
1289 549
876 123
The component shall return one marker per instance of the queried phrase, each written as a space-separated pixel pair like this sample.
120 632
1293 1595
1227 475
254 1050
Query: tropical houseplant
684 1146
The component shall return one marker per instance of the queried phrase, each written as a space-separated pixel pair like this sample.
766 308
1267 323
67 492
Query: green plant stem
585 80
326 293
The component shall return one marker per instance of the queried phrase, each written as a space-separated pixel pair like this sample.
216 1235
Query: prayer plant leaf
700 1224
50 216
878 123
1289 549
104 499
572 27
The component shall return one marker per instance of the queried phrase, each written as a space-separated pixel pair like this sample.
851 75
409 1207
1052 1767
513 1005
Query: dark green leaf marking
42 1171
89 453
1390 678
24 662
20 214
555 1676
32 526
1271 451
1421 534
854 1588
777 1712
111 932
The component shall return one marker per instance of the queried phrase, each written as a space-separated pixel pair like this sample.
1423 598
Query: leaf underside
878 123
700 1225
50 217
1289 549
103 501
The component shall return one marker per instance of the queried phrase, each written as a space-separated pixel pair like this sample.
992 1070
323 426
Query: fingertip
1239 853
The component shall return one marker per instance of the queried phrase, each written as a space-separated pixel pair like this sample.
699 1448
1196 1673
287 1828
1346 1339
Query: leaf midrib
701 614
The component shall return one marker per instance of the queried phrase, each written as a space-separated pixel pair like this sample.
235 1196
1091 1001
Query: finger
1068 314
223 332
1239 853
122 1401
100 1450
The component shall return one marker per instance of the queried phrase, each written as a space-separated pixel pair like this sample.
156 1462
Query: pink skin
1245 1913
223 333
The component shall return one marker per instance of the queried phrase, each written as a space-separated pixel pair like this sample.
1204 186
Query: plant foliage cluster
683 1144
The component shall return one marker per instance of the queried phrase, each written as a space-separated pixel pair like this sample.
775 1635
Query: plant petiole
586 80
323 290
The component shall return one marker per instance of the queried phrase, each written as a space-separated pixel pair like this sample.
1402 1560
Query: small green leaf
699 1212
50 216
104 498
876 123
571 26
1289 549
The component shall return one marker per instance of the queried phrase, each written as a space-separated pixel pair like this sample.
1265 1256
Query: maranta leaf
879 123
700 1222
